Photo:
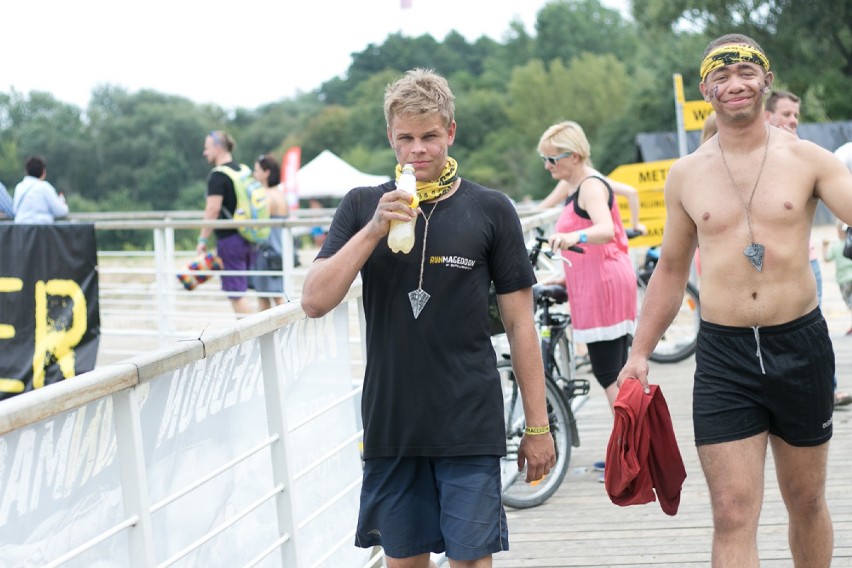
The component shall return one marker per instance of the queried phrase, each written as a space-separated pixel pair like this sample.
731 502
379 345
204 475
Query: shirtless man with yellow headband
764 363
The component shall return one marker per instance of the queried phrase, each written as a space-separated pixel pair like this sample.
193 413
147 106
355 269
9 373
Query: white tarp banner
327 175
60 482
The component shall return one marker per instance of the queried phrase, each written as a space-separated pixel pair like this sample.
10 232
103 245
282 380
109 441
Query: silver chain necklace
755 251
419 297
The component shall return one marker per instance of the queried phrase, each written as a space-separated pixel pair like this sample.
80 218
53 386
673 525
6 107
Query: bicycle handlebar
535 250
574 248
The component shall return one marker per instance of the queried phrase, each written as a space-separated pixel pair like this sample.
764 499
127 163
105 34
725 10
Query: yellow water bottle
401 235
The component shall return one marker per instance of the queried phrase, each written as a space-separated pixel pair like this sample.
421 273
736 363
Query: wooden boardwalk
579 526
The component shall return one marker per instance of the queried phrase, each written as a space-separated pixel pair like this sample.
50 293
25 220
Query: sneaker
601 479
599 466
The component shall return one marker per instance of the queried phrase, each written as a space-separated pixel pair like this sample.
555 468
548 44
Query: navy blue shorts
415 505
778 379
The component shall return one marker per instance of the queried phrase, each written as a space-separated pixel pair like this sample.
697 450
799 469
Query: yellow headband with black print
730 54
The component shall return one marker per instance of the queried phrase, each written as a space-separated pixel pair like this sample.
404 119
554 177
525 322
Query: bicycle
681 338
561 389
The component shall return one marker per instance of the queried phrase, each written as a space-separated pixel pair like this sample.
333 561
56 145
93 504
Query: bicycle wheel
517 493
680 339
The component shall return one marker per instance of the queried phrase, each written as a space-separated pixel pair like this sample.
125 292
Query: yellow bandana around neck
730 54
427 190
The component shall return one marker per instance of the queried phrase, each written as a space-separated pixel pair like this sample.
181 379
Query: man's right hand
393 206
635 368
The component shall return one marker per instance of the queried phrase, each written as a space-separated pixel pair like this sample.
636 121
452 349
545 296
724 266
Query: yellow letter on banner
53 340
8 284
695 113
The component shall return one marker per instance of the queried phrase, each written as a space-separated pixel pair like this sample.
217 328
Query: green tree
591 91
268 129
164 154
39 124
567 28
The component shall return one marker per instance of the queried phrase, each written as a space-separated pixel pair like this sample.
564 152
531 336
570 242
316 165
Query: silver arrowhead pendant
754 252
418 299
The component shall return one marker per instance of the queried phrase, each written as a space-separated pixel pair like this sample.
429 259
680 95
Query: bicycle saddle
555 292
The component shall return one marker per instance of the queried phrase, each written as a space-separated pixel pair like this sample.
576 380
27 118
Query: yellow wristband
536 430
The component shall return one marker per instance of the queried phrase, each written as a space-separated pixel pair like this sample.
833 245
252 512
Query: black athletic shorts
777 378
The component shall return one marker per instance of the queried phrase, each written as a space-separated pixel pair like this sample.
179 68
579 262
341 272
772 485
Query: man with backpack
229 197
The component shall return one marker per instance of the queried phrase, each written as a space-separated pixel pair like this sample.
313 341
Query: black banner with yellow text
49 315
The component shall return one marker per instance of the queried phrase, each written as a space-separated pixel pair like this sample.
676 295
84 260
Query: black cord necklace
755 251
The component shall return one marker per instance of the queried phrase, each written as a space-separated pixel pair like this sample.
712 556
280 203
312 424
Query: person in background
844 154
782 111
236 253
709 129
36 201
268 257
6 207
764 361
562 190
832 251
317 233
601 282
432 402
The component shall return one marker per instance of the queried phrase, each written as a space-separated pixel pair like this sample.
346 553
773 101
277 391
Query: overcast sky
242 53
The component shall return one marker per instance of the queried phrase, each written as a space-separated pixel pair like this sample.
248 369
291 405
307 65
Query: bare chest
734 203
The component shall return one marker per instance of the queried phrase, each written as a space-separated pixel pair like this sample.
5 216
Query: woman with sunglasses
601 282
562 190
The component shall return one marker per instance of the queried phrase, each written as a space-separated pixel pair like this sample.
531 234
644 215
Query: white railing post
273 385
288 265
134 479
169 289
164 324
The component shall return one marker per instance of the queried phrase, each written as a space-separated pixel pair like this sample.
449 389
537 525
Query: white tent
329 176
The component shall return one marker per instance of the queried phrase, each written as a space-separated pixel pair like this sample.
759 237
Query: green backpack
251 202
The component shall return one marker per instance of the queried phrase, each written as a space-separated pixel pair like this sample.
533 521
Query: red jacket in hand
642 455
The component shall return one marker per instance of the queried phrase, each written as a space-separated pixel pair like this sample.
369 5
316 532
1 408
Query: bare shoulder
685 168
797 147
803 158
594 186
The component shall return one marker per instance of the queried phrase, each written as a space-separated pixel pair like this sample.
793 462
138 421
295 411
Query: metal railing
238 448
142 303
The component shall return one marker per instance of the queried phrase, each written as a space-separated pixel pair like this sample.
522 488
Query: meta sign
648 178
